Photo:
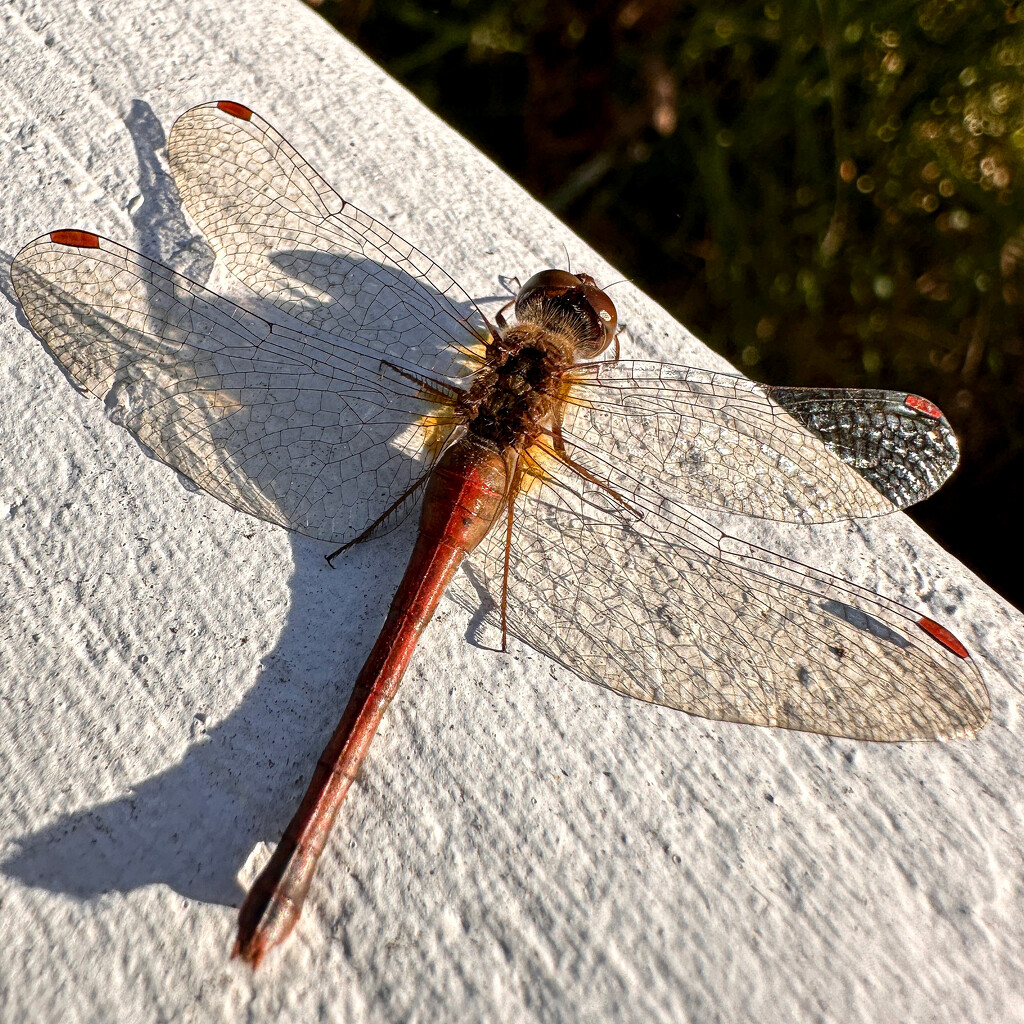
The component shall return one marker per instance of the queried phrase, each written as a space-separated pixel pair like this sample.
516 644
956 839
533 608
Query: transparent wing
286 426
320 429
669 609
278 226
712 440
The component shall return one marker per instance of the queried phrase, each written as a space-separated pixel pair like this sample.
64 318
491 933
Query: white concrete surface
524 846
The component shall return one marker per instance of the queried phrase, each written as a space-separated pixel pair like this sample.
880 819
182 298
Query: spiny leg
557 450
513 490
375 525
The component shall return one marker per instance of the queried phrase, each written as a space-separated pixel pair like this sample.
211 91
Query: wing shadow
193 826
160 225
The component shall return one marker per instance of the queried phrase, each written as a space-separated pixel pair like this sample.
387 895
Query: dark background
826 193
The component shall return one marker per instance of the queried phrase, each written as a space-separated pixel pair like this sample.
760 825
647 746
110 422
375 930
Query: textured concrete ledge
524 846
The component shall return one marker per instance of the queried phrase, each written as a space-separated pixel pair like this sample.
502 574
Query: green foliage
825 192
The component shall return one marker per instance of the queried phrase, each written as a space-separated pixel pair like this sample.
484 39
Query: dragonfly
361 383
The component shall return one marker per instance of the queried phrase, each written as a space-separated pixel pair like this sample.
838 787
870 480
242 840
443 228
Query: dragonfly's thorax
518 397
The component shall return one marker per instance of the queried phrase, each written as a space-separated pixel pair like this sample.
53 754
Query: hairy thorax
519 397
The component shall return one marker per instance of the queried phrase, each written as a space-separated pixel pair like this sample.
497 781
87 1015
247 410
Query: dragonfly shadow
192 826
481 623
157 216
423 320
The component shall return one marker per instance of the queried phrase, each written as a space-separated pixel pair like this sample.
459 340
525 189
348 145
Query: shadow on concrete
193 827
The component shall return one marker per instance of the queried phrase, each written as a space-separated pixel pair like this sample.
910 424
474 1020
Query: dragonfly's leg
556 438
435 390
513 490
499 317
379 521
557 449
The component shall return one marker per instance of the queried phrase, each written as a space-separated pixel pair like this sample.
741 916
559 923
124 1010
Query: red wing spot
76 239
919 404
943 635
235 110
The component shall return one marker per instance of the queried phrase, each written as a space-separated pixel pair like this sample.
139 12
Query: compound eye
548 284
558 291
607 318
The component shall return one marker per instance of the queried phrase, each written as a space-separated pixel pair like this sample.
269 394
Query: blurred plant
825 192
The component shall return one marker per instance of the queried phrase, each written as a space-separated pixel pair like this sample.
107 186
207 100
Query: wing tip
74 239
943 636
923 405
973 716
239 110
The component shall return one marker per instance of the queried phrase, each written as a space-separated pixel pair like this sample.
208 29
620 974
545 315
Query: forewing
277 225
712 440
286 426
668 609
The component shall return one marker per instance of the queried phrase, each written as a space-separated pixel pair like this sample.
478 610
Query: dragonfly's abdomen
465 494
464 497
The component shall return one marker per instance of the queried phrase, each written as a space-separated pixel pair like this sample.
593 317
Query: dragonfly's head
576 296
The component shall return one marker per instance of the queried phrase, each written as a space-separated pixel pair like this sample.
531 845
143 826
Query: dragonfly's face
577 293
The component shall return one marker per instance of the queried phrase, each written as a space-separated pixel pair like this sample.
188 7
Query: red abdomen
464 496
